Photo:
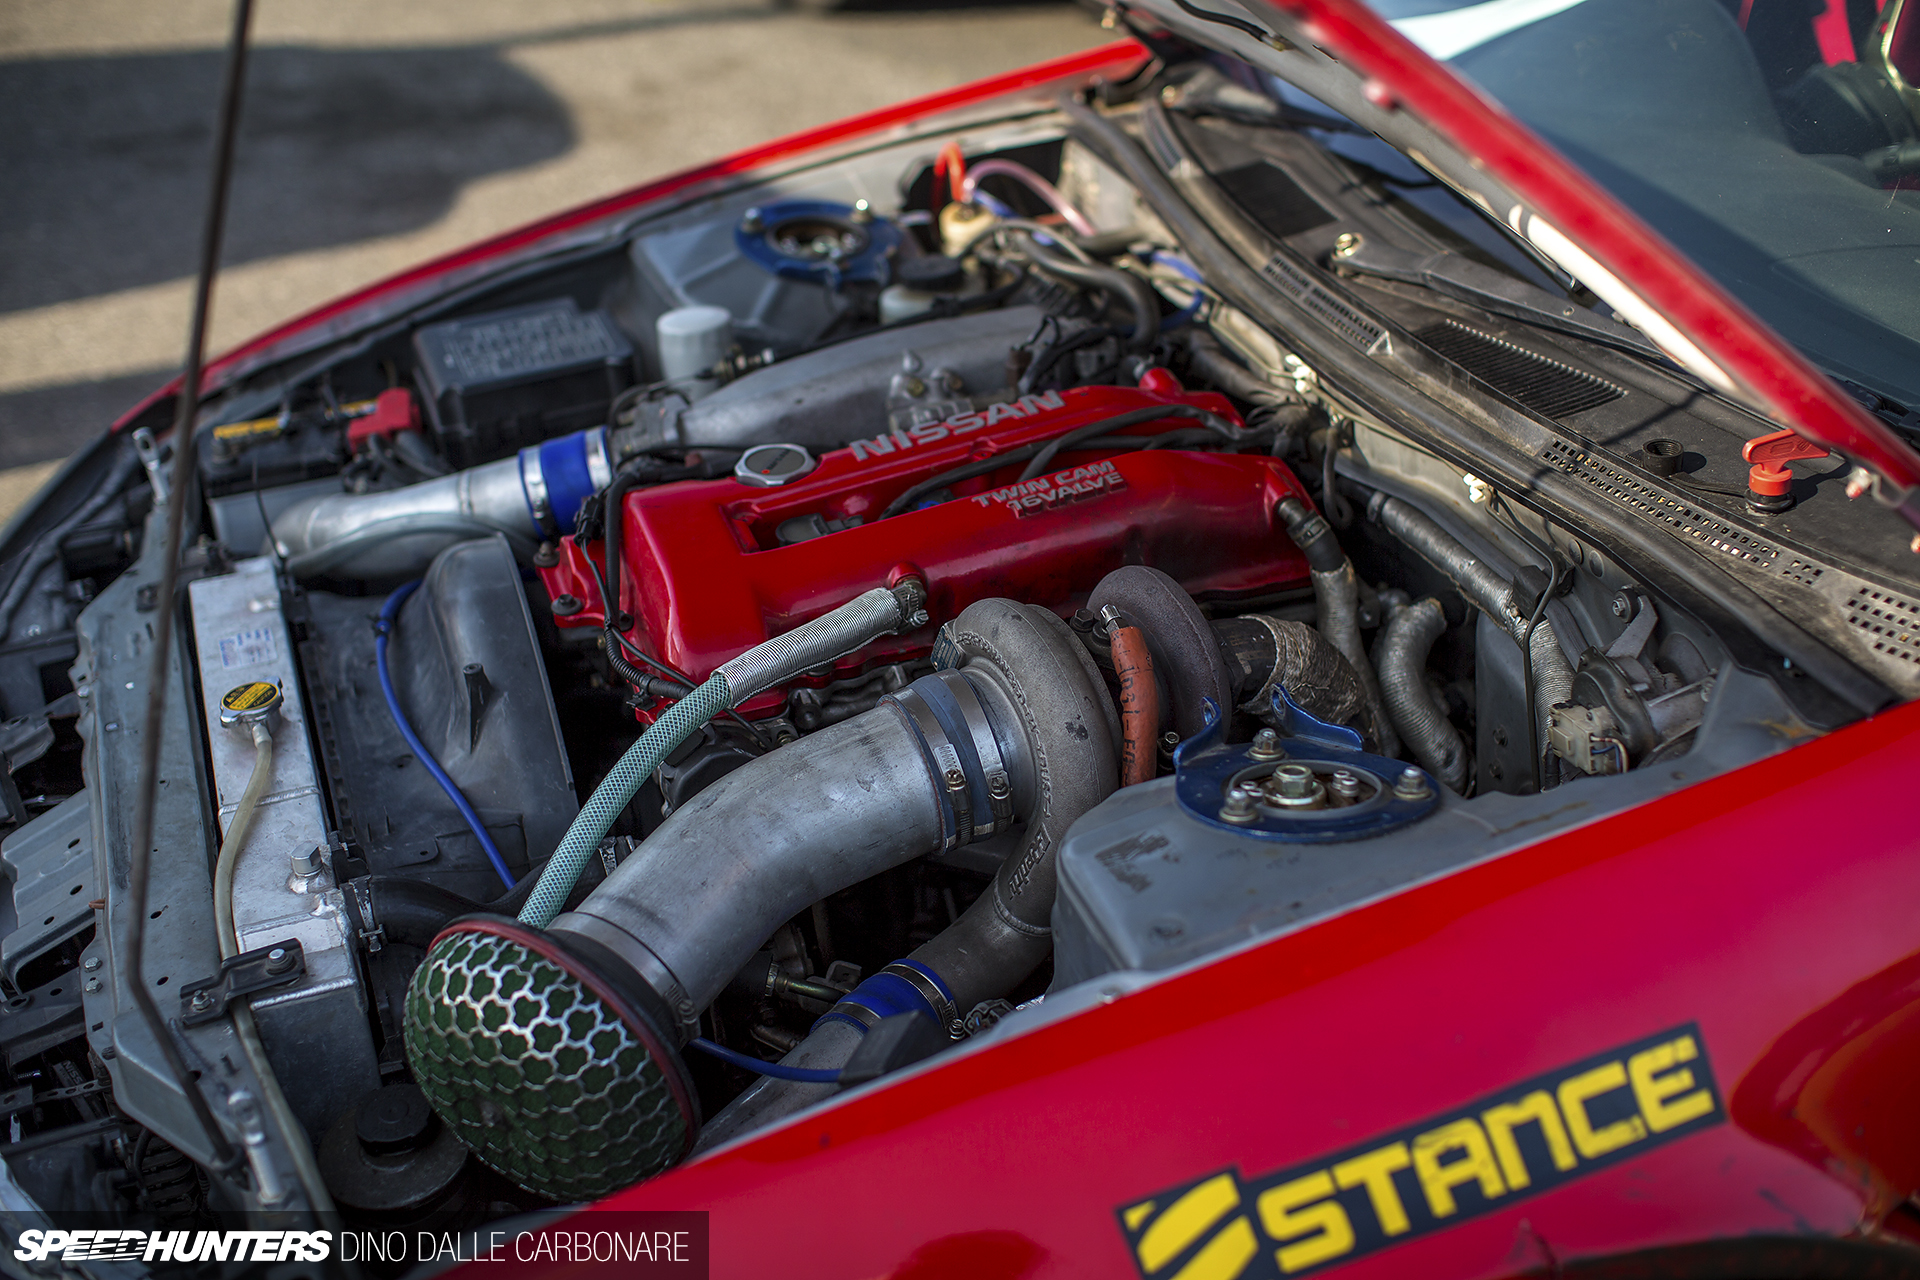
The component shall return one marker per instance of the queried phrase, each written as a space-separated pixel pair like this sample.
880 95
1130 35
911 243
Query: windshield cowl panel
1353 59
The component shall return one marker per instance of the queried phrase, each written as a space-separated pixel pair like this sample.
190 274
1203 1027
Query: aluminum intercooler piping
395 534
1069 724
1486 591
554 1054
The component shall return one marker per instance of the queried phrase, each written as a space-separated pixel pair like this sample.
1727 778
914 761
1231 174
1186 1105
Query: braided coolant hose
681 721
858 622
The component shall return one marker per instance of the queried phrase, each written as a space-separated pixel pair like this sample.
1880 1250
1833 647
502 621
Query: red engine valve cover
706 576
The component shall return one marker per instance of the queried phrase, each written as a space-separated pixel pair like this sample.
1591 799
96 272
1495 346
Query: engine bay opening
828 623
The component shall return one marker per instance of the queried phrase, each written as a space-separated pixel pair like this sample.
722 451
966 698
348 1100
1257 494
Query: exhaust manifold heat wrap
554 1053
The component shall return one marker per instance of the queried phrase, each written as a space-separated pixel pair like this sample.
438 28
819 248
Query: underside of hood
1372 71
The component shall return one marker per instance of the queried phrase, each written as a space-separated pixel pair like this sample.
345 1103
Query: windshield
1773 141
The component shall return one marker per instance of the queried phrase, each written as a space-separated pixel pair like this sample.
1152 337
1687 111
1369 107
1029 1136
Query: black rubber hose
1060 349
1139 295
1209 360
1262 652
1206 245
1133 417
411 912
1400 653
623 481
1336 592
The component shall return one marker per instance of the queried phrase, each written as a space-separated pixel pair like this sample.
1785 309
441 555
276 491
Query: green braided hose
615 792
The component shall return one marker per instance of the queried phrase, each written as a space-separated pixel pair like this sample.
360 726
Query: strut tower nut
1266 745
1412 785
1295 786
1239 807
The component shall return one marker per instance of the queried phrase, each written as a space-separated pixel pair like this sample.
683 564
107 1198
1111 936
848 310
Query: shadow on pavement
337 146
106 158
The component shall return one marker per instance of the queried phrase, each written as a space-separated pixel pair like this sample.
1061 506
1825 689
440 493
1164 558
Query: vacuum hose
555 1053
853 625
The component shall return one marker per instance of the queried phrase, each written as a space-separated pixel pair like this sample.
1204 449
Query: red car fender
1776 909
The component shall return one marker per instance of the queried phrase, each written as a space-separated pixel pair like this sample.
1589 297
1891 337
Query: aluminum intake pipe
554 1054
395 534
1071 729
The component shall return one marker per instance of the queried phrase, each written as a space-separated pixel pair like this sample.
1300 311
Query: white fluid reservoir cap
692 341
898 302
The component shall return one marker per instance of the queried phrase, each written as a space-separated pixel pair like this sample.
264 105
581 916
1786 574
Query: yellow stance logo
1518 1142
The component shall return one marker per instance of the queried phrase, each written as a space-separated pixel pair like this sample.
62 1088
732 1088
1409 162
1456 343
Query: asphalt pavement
377 135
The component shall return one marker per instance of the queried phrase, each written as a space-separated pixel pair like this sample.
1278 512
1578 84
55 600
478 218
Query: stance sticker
1523 1140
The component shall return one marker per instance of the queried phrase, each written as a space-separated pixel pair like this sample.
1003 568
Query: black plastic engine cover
467 669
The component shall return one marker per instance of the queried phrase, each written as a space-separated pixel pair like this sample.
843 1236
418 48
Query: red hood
1350 57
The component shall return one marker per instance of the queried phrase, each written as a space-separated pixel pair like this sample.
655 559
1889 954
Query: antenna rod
186 409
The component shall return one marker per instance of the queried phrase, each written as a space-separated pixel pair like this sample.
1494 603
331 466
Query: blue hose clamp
558 475
905 986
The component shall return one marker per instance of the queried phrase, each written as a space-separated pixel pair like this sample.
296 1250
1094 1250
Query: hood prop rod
185 411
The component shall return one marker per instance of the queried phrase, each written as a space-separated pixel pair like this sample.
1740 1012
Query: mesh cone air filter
551 1073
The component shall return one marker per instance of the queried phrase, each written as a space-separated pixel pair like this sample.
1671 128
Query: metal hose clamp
933 993
962 753
533 478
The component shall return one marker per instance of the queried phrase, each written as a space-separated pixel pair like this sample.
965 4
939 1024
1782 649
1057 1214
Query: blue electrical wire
1186 314
382 632
805 1075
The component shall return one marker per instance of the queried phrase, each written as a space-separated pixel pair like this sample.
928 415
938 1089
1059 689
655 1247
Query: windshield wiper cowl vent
1549 388
1318 302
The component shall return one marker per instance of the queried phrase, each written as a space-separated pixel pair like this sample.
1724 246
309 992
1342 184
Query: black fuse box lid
496 382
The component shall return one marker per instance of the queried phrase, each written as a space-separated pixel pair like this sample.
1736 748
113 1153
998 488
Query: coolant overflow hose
854 624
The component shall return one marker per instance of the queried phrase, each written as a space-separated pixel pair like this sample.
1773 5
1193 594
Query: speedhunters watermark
666 1244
